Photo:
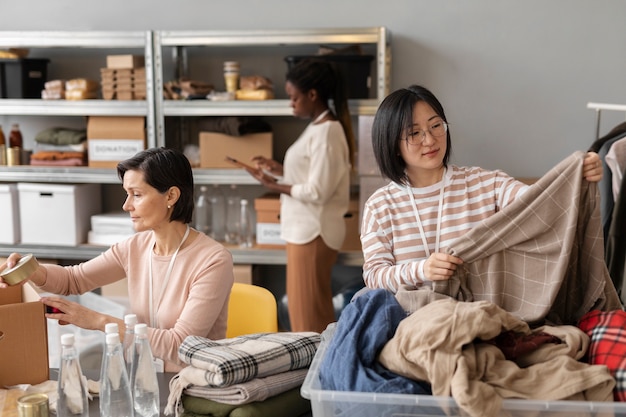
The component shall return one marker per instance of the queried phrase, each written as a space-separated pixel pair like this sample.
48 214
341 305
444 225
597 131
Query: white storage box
9 214
325 403
57 214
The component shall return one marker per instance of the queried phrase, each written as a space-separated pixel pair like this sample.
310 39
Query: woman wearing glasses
428 202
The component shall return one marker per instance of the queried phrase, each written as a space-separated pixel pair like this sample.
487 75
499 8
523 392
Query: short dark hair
163 168
393 117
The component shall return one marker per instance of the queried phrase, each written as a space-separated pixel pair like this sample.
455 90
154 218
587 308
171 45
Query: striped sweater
392 245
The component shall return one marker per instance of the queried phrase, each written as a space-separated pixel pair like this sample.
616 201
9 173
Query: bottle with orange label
15 137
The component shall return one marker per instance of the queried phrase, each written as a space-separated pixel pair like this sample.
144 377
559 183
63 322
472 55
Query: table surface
94 405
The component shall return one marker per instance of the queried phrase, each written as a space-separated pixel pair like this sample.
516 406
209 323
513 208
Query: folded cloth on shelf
61 136
287 404
549 239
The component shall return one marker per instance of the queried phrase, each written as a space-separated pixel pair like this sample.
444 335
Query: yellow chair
251 309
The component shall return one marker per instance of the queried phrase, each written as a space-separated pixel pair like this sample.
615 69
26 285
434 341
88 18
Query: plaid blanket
542 257
222 363
607 331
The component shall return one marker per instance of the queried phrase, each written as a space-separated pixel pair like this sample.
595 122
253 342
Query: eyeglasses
436 130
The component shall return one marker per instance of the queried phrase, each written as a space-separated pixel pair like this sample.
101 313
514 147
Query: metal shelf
73 175
36 107
240 256
379 36
250 108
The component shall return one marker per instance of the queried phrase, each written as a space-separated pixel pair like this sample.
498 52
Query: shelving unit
155 109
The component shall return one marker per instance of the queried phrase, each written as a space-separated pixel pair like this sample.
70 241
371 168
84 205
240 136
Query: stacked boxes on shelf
124 78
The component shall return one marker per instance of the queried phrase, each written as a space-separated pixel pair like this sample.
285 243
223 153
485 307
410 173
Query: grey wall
514 77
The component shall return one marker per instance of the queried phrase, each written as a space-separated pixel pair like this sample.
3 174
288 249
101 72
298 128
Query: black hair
162 169
322 76
393 117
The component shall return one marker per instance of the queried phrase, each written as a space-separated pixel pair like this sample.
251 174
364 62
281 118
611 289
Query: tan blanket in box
540 258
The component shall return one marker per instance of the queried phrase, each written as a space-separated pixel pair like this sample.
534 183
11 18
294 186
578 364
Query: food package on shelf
255 87
81 89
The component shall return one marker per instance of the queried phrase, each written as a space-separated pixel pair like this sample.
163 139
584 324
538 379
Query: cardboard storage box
57 214
9 214
23 78
268 224
23 337
125 61
214 147
112 139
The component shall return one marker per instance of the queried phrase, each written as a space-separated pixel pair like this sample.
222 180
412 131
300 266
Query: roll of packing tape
25 267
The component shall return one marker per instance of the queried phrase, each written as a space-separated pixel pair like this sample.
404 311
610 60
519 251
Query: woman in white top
315 191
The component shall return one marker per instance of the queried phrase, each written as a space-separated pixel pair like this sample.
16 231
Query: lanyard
167 278
439 214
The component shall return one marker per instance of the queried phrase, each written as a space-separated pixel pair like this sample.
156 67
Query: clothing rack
598 107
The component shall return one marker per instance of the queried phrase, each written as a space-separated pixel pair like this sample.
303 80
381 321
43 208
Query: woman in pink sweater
179 280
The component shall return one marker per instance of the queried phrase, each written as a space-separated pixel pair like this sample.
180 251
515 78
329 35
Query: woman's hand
440 266
592 167
38 277
269 165
69 312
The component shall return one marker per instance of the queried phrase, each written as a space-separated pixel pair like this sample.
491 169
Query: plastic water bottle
246 232
233 211
72 385
130 320
218 214
203 212
144 377
109 328
115 395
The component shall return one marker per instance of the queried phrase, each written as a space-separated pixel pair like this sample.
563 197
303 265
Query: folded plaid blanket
243 358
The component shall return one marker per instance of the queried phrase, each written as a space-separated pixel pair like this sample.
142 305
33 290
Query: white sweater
317 166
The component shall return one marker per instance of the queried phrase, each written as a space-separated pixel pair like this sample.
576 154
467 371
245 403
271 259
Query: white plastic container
326 403
57 214
9 214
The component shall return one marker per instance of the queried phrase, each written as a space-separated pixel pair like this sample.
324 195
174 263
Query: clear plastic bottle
233 211
130 320
115 395
246 231
72 398
143 376
203 212
109 328
218 214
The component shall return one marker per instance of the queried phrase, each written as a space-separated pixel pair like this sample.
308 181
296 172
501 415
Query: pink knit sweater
195 301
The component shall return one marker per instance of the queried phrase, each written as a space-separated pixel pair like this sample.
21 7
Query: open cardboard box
24 338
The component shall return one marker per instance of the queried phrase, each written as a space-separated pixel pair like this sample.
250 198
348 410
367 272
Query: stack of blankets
246 376
60 146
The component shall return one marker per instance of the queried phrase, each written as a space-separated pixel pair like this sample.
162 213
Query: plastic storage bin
9 214
354 70
325 403
57 214
23 78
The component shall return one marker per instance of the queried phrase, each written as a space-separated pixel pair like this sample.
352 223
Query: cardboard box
57 214
215 146
23 338
112 139
268 224
10 218
125 61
